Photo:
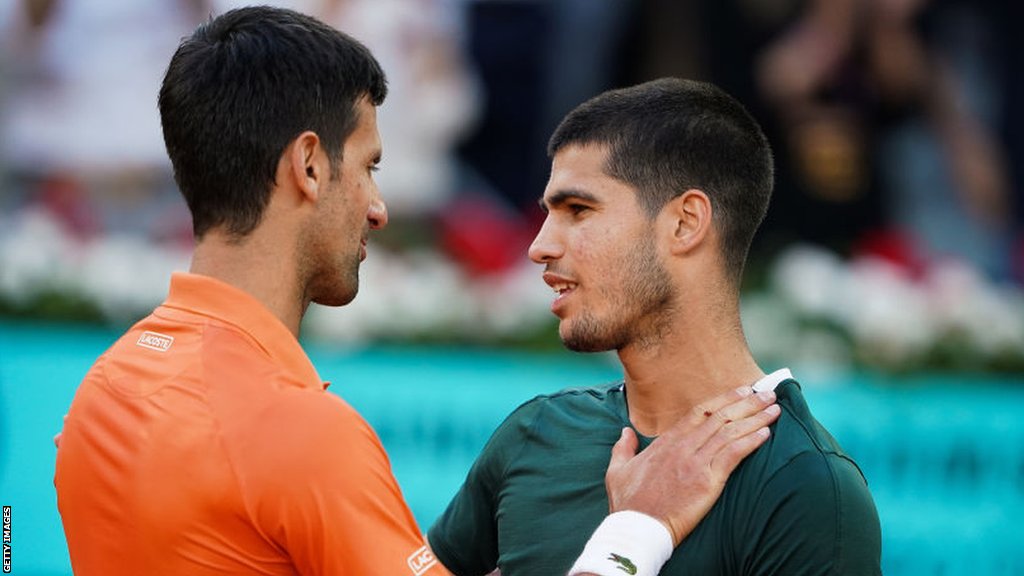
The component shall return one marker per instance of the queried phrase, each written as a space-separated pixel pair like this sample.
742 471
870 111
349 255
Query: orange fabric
203 442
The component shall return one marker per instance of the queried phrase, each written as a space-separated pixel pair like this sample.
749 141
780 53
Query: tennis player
655 194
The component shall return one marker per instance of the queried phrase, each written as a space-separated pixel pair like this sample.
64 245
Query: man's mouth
562 286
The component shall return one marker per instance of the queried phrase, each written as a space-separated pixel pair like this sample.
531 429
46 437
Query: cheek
599 247
358 193
353 202
584 251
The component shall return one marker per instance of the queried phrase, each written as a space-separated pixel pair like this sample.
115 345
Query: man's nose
546 246
378 214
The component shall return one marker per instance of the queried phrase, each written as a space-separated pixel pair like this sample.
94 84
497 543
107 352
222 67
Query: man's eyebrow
561 197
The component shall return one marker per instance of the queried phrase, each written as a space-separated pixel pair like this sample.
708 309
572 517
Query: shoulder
303 448
561 418
582 395
802 477
174 344
304 427
798 433
566 407
600 397
802 450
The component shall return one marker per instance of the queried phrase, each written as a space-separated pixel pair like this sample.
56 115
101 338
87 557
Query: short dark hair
670 135
240 89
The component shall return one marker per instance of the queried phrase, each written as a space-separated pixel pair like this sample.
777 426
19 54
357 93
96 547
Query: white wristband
626 542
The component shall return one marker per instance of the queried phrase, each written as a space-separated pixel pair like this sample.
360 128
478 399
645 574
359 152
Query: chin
587 342
336 301
338 294
581 345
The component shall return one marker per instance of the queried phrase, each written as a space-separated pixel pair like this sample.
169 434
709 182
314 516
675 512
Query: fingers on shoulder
737 439
732 405
732 452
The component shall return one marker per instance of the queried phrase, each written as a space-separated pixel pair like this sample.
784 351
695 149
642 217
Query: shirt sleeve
465 536
324 493
814 517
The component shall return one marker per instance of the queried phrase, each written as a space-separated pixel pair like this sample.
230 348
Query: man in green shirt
655 194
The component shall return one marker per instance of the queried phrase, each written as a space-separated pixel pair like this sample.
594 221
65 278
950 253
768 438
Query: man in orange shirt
203 441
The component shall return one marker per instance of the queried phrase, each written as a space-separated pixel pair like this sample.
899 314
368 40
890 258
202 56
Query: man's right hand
678 478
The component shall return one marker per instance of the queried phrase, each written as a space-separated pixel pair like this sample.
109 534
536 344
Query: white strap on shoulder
770 381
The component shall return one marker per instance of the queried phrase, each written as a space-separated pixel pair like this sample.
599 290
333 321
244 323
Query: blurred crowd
896 123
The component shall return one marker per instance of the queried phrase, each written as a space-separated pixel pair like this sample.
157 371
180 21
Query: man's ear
304 164
689 216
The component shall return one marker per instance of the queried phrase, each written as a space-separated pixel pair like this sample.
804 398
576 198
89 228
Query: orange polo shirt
203 442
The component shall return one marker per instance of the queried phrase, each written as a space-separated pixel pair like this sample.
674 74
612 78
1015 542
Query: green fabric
797 506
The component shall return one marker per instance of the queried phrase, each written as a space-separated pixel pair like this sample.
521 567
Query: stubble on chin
586 334
336 286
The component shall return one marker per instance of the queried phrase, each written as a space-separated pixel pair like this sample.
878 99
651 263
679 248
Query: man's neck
694 363
257 266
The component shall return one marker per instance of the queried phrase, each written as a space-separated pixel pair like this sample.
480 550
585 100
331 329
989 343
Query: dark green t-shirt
796 506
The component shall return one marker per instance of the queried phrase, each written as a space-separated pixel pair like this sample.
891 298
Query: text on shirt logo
421 561
155 341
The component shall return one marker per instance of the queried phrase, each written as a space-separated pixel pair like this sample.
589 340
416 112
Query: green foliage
52 305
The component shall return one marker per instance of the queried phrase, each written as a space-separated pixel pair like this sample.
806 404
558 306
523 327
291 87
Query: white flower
818 313
990 317
34 256
810 278
887 314
126 276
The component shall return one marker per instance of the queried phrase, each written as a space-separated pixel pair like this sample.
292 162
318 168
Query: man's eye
577 209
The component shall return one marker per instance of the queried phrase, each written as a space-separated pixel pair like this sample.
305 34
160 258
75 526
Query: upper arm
465 536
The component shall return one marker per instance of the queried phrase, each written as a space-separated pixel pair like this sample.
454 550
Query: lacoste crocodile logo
624 564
